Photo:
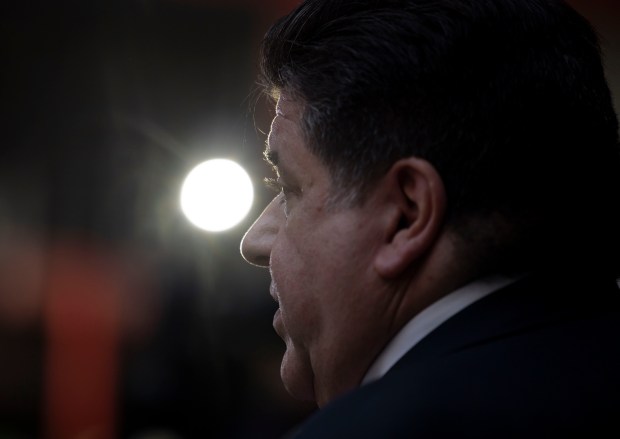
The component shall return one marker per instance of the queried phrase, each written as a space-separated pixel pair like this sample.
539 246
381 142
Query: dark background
118 318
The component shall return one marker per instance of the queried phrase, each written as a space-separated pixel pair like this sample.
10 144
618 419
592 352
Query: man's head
431 141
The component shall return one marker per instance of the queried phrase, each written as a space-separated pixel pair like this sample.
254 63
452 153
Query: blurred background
118 317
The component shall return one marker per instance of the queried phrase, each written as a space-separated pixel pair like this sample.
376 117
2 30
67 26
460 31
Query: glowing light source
216 195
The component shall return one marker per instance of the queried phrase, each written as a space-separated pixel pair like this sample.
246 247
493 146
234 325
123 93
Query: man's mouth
274 294
277 319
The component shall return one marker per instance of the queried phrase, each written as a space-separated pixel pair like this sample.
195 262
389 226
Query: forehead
288 152
285 133
287 120
289 108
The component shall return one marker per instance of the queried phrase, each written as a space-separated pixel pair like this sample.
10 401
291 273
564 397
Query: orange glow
82 321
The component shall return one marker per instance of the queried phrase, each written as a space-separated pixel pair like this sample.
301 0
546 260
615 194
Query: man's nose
258 240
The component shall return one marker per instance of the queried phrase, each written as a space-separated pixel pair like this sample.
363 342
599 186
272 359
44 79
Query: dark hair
506 98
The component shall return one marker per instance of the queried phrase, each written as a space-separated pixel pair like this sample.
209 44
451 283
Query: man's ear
414 219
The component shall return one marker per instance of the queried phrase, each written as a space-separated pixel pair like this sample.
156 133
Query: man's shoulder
519 373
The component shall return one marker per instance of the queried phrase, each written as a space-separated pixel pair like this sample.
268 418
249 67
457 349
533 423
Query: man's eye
277 186
272 184
283 191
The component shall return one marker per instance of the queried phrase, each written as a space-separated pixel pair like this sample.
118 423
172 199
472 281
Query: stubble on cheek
295 326
296 372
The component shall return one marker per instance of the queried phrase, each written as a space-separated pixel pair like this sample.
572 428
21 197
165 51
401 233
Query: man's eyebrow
271 157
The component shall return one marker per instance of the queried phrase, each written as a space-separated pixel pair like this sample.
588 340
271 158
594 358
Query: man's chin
297 377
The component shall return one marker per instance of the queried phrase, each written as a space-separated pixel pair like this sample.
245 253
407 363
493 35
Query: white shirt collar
430 318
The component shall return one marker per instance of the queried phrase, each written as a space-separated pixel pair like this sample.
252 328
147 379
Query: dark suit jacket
539 358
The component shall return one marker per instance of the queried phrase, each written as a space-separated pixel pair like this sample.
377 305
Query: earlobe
418 199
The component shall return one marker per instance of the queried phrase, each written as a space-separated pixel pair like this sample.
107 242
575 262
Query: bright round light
216 195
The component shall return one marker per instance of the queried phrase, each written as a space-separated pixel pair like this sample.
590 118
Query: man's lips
277 319
273 294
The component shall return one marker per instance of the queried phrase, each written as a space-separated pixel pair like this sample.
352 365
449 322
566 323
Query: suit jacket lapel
533 301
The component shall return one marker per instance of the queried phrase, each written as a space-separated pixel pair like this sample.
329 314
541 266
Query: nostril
255 258
261 261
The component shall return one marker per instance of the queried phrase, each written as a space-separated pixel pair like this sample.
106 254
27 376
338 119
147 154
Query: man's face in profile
320 260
